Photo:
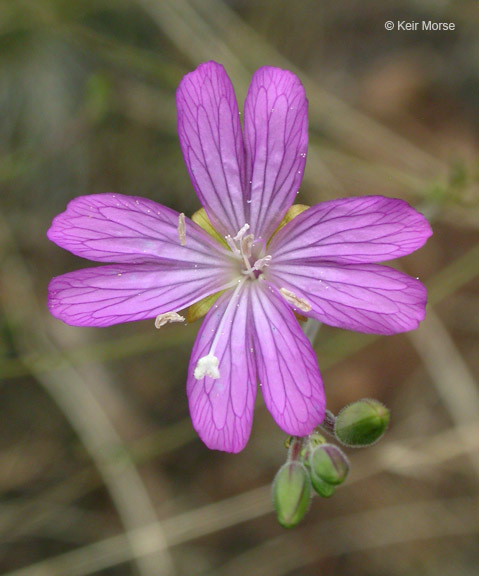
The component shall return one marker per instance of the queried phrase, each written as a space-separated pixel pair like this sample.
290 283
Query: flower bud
328 464
361 423
291 493
322 488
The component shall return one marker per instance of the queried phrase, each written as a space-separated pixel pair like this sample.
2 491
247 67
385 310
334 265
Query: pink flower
322 263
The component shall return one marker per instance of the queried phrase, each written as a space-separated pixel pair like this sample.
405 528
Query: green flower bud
322 488
361 423
291 493
328 464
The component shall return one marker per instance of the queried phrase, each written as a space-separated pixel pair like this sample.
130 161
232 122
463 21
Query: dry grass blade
211 27
76 398
179 529
360 532
230 512
422 457
88 106
451 376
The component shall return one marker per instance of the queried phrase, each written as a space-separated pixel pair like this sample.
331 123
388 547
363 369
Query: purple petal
276 141
352 230
222 409
210 135
109 295
126 229
287 367
364 297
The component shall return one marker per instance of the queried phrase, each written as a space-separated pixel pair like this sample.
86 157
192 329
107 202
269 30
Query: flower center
252 257
251 252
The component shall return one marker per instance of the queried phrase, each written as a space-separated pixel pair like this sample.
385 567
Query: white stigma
207 366
296 302
167 318
182 229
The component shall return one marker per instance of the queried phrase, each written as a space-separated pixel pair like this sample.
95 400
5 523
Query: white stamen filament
208 365
248 245
182 229
245 244
249 270
244 250
292 299
238 238
231 243
167 318
241 233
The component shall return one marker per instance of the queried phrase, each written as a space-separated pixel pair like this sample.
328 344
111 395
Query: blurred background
100 469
